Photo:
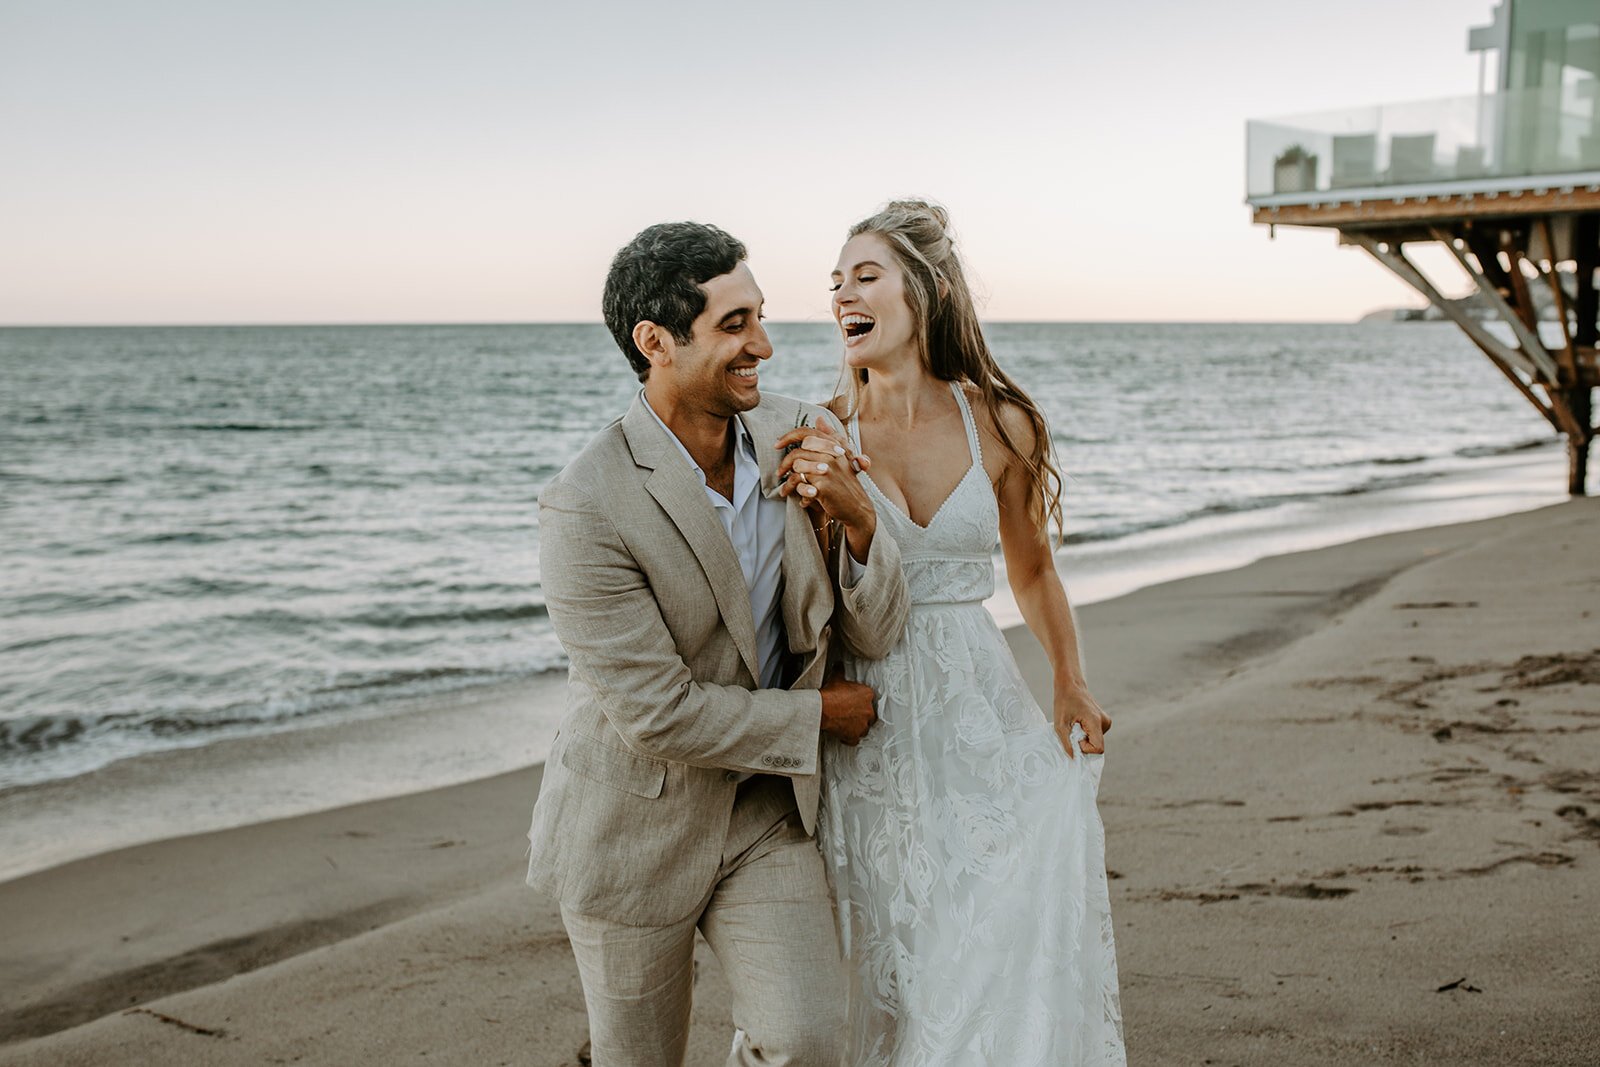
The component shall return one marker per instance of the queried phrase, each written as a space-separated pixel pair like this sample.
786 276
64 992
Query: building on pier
1507 180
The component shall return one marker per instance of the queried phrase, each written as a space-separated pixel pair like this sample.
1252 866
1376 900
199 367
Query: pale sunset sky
223 161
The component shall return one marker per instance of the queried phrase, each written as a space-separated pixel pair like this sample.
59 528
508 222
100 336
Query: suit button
732 776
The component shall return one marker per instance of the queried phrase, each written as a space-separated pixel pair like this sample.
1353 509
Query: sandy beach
1352 812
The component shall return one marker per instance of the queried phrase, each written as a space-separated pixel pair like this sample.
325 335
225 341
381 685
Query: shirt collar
747 444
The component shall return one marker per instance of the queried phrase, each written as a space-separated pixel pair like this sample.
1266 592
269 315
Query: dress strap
974 449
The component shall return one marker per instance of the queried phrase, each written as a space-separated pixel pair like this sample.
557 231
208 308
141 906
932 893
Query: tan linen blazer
663 712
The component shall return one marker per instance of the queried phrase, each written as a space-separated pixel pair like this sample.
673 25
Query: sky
222 161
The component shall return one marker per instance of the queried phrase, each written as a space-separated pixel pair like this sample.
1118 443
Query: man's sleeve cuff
856 569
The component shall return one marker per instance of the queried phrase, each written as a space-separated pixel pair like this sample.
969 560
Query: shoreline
417 743
1319 809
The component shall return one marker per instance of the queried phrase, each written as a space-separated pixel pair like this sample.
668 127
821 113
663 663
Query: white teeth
744 372
856 325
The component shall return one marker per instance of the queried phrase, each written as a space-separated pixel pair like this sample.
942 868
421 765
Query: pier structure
1507 181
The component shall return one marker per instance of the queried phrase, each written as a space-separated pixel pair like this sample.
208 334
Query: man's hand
848 708
821 469
1074 706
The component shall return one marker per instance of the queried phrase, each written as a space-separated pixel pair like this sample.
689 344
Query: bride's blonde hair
951 343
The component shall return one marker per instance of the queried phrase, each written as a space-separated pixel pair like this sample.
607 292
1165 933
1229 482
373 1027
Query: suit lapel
807 592
682 496
805 573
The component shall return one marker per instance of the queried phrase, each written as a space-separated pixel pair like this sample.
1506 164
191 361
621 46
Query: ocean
220 532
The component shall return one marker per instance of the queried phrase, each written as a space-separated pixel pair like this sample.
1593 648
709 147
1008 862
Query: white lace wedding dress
965 848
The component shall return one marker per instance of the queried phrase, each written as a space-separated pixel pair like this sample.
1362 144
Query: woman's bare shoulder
1014 417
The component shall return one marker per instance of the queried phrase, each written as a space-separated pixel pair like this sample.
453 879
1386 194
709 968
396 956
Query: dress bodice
951 559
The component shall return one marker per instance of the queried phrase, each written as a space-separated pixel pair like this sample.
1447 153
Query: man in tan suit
696 608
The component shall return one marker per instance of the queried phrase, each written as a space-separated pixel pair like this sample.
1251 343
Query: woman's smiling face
869 304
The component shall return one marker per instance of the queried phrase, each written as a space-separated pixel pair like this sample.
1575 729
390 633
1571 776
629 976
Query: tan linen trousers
768 918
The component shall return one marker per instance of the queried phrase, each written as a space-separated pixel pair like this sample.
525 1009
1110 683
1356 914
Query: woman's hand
1074 705
820 468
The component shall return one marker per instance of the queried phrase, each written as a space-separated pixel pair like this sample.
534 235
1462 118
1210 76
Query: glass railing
1479 139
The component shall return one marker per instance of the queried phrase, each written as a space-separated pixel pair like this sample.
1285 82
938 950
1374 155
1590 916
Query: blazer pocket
614 766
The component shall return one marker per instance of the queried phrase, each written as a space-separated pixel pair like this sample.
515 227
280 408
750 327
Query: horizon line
352 324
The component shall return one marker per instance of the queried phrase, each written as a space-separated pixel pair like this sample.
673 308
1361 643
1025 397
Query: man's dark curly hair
656 277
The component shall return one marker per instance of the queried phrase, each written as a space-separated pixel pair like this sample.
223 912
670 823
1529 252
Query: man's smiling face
717 372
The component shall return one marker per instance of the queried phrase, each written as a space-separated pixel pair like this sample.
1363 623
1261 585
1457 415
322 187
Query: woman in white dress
962 835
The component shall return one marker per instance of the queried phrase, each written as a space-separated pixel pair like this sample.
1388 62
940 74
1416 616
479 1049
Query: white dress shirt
755 527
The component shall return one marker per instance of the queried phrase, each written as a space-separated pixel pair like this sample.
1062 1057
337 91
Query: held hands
1074 706
820 468
848 708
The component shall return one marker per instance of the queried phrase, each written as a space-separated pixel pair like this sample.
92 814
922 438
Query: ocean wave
402 619
405 679
304 530
247 427
286 618
1248 468
28 742
56 603
28 643
1244 505
32 734
179 537
193 586
41 479
487 588
1485 451
1409 459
